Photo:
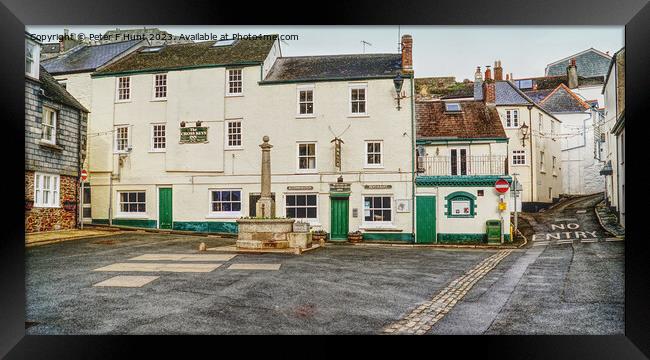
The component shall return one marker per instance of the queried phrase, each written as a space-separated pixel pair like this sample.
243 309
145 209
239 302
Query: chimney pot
498 71
488 73
477 74
407 53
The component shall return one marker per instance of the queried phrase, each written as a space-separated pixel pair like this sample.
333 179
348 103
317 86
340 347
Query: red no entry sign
501 185
84 175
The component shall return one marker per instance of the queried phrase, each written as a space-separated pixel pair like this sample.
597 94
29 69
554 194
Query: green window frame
460 196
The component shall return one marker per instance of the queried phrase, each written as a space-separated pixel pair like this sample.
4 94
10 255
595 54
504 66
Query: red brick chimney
488 73
498 71
489 92
407 53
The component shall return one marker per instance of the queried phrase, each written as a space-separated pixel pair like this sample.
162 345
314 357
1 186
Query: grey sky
437 50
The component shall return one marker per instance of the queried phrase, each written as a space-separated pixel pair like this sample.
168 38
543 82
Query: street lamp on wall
524 133
398 81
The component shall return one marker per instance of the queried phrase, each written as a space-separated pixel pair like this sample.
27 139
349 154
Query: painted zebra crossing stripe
159 267
589 240
541 243
614 239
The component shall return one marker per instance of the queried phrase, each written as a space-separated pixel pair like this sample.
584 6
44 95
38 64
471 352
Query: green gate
339 216
425 231
165 208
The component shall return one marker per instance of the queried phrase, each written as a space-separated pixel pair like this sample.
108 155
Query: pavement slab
241 266
183 257
127 281
159 267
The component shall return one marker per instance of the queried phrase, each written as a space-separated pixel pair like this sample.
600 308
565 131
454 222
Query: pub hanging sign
194 135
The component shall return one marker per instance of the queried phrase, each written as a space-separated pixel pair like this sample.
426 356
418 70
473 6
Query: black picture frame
634 14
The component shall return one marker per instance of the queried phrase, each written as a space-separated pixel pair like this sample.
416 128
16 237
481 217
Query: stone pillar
265 206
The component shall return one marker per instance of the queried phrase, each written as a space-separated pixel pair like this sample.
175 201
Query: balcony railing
462 165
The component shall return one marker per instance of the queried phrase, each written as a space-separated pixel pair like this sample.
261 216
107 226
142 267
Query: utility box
493 231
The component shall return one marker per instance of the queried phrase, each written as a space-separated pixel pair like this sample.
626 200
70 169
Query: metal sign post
81 204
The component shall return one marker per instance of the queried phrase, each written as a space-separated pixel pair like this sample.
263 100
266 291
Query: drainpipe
413 149
532 158
77 217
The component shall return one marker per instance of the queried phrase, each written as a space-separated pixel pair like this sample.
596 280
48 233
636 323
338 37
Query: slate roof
508 94
537 95
87 57
56 92
51 48
552 82
340 67
243 51
590 62
476 120
559 100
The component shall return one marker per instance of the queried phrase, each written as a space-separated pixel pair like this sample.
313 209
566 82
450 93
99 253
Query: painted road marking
581 212
183 257
588 240
254 267
127 281
559 242
567 219
541 243
422 318
157 267
614 239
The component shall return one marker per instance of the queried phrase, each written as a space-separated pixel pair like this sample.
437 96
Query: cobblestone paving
422 318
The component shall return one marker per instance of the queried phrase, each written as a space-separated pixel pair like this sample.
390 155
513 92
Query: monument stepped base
270 234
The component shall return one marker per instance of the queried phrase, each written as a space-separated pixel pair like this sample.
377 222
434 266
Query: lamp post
524 133
398 81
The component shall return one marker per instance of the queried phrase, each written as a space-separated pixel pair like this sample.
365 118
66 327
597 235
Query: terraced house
55 147
534 148
174 141
462 152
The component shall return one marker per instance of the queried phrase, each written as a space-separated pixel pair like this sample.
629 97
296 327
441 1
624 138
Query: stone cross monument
265 206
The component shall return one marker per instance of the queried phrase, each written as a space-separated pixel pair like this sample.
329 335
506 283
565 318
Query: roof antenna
399 39
364 45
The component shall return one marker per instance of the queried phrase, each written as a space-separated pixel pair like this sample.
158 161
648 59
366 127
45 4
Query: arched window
460 204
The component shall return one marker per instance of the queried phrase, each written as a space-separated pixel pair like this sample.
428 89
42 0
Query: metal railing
462 165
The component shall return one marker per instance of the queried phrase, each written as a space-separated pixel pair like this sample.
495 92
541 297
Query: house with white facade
613 127
462 152
175 135
574 96
534 148
580 149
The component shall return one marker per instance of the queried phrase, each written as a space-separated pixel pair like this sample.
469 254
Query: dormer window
452 107
524 84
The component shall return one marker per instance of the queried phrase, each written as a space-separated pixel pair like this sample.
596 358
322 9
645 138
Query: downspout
413 149
532 157
78 185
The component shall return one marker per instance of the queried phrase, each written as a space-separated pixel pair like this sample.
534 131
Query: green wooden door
339 218
425 230
165 208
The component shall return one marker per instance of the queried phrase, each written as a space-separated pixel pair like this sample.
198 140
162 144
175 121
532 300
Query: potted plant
29 204
355 236
319 235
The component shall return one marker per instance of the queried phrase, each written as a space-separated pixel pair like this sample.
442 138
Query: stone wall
47 219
